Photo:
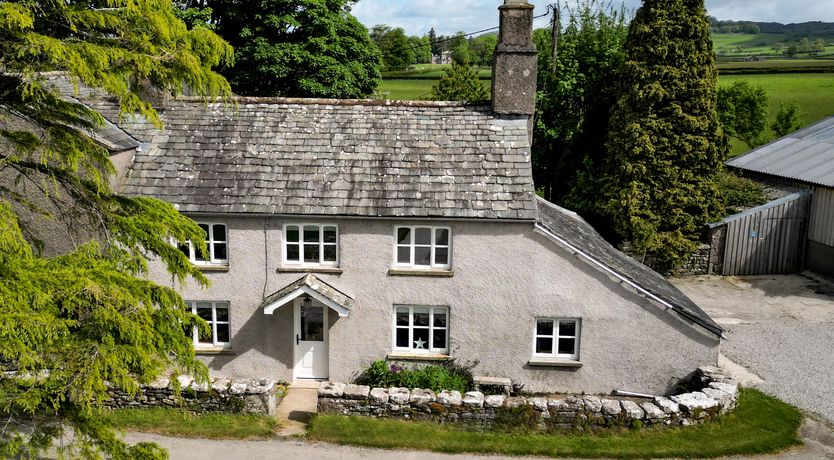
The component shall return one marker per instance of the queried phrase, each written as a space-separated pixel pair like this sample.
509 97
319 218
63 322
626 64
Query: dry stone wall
548 413
701 262
260 396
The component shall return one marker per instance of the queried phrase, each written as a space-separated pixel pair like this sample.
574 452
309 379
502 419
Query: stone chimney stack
515 64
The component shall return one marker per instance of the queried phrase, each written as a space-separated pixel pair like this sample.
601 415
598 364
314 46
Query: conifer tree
74 323
459 83
665 144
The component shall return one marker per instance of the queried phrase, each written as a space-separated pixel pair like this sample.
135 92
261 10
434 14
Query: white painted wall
505 275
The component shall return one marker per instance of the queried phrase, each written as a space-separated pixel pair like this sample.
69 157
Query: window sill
324 270
554 362
418 356
213 351
428 273
213 268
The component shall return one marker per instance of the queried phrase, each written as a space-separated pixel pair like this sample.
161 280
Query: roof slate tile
356 158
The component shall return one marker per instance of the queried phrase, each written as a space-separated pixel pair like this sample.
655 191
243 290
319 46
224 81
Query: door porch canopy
333 298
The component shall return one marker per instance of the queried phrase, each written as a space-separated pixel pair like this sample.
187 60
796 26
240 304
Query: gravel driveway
779 327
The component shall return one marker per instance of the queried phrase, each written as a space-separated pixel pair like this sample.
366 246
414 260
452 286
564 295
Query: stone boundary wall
547 413
260 396
701 262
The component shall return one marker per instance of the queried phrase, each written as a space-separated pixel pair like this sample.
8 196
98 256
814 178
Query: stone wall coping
718 395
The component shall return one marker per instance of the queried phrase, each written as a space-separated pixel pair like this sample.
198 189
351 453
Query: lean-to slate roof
336 158
110 135
806 155
572 229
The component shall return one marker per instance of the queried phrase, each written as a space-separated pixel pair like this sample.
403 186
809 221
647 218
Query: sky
450 16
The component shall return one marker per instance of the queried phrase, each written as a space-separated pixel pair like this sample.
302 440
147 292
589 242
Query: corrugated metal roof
806 155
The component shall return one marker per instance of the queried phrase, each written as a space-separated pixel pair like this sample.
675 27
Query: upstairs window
423 247
216 242
216 314
311 245
556 338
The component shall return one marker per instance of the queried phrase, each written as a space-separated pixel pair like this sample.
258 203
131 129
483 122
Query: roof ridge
330 101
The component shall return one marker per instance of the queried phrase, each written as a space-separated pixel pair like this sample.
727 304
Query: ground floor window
421 329
216 314
556 338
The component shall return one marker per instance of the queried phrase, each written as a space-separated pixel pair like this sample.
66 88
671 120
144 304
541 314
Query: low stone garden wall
260 396
552 413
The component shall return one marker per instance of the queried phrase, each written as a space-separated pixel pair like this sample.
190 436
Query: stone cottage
345 231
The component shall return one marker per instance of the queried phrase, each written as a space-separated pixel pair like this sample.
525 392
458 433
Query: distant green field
813 92
741 45
776 66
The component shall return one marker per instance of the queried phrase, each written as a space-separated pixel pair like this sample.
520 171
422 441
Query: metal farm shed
803 159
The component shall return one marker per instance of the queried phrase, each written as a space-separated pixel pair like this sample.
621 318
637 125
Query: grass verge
761 424
174 422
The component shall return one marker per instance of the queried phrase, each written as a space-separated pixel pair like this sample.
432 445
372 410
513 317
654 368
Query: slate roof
336 158
579 234
110 135
806 155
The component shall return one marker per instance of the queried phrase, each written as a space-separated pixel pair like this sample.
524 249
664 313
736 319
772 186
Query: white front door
311 348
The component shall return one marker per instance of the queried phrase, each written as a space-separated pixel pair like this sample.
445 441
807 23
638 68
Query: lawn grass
405 89
411 89
430 72
174 422
761 424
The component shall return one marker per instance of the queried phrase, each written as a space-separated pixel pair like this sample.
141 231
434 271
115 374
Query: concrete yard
780 327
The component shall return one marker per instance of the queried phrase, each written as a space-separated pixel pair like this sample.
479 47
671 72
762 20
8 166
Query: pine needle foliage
665 144
74 323
459 83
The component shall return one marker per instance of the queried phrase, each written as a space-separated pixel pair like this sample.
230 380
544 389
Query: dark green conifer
665 144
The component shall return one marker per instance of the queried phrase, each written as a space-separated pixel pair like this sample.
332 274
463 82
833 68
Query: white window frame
411 245
300 262
555 336
429 349
210 242
192 305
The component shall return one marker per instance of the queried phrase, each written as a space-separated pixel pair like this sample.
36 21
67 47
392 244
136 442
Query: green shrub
740 193
447 376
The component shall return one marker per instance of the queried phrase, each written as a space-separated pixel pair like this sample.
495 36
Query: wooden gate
769 239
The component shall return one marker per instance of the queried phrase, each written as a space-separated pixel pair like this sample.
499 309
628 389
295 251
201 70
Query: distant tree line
399 51
805 29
